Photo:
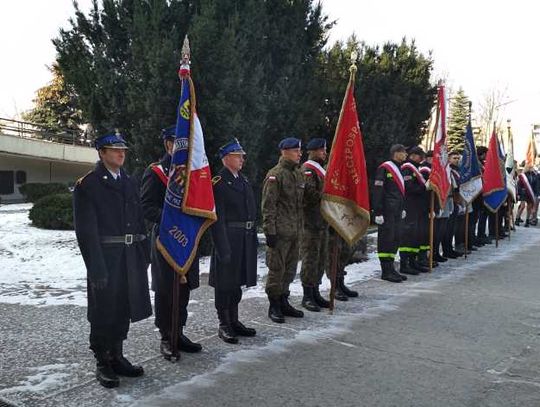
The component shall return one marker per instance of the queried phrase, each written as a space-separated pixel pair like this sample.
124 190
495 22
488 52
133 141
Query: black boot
308 302
340 294
288 310
518 221
417 266
239 328
346 290
105 374
321 302
438 258
165 348
422 258
405 268
388 272
186 345
274 310
225 330
121 365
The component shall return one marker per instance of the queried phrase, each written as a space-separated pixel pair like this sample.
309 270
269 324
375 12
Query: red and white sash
396 174
315 166
419 176
158 169
525 181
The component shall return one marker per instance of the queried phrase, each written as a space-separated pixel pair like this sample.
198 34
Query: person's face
169 145
234 162
454 159
293 154
429 160
320 154
415 158
113 157
400 156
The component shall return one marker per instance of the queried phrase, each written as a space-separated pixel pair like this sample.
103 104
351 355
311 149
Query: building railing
39 132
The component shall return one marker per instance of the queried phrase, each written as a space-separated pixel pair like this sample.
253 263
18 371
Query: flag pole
466 230
431 220
175 314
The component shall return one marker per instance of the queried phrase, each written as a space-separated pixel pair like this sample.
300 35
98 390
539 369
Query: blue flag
189 207
470 173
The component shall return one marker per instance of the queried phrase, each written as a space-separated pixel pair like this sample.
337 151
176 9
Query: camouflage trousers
313 251
282 261
345 253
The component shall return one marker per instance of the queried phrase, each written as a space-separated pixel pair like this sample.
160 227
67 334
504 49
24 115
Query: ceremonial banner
510 168
530 158
189 207
469 170
345 200
494 177
439 179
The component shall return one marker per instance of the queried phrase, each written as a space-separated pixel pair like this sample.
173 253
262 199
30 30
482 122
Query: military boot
186 345
405 268
105 374
121 365
346 290
165 348
339 294
288 310
388 272
321 302
225 330
239 328
417 266
274 310
308 302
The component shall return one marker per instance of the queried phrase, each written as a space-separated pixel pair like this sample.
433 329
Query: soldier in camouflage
282 197
313 246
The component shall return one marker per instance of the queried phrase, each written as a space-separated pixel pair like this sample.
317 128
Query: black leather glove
271 240
99 283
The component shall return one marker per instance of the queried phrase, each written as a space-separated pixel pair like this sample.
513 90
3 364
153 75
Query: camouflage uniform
314 242
282 196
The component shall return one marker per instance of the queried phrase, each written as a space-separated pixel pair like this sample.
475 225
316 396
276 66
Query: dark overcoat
234 256
153 190
106 207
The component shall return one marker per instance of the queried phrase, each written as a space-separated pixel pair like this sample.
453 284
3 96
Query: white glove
379 220
403 214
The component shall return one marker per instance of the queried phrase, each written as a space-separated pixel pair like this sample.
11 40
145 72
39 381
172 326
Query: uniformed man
388 207
234 257
425 170
313 246
415 209
110 230
153 189
282 209
454 210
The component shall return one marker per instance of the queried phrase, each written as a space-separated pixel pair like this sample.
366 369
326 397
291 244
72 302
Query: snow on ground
37 266
45 377
44 267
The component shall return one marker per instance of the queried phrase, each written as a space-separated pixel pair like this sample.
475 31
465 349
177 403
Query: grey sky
477 45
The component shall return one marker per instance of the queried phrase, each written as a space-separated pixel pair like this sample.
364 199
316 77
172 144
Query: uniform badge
407 177
308 173
378 183
105 177
271 178
216 179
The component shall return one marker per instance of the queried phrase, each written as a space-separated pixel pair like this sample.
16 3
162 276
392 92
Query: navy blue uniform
106 209
153 190
234 257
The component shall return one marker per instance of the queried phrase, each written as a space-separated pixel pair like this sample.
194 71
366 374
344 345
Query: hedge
53 212
34 191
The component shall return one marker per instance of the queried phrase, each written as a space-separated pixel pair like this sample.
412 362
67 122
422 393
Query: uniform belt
242 225
124 239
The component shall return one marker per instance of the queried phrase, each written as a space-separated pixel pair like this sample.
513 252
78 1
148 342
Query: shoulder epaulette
216 179
82 178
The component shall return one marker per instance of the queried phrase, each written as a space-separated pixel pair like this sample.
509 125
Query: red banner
439 179
345 201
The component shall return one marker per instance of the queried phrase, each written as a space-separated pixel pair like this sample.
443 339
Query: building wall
42 171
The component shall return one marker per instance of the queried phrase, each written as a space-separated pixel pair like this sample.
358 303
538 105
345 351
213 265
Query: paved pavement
466 335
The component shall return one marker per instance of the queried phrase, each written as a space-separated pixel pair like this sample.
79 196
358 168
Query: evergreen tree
55 105
457 121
